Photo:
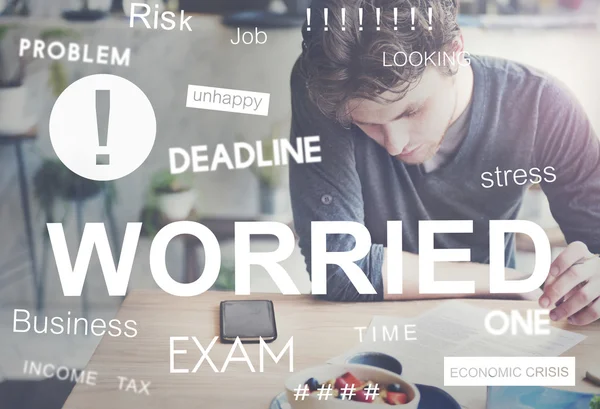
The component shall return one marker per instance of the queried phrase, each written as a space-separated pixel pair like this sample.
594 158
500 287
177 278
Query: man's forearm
446 271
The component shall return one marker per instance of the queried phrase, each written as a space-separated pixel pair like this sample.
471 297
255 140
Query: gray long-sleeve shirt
521 119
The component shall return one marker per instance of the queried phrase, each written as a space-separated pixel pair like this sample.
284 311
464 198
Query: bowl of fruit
349 386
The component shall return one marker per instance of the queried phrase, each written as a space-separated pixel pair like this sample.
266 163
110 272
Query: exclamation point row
413 17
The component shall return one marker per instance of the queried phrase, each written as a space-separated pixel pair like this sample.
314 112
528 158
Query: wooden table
321 331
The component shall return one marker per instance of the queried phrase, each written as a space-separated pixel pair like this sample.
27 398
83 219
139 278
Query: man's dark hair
341 65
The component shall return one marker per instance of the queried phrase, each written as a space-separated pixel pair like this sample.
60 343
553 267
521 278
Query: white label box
228 100
509 371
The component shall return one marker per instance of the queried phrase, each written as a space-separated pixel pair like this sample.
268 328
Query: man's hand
573 286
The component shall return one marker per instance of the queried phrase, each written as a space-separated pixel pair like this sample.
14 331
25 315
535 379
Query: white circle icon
102 127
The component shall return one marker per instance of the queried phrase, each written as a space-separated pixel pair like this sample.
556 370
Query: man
423 141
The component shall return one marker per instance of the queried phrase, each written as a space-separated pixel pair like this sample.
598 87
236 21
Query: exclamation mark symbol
396 18
343 19
326 18
412 18
102 116
360 19
430 18
378 17
307 19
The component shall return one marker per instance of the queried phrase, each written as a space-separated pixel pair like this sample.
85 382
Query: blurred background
558 36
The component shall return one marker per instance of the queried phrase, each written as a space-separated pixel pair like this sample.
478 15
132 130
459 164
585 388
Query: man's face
412 128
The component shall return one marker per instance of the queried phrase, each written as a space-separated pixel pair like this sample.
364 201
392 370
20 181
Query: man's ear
458 49
458 44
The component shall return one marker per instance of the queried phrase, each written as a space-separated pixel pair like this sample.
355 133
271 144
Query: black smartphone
248 320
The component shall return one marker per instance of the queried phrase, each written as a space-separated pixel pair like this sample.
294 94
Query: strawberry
396 398
340 383
351 380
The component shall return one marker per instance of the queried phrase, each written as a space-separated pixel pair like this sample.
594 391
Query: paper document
455 328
